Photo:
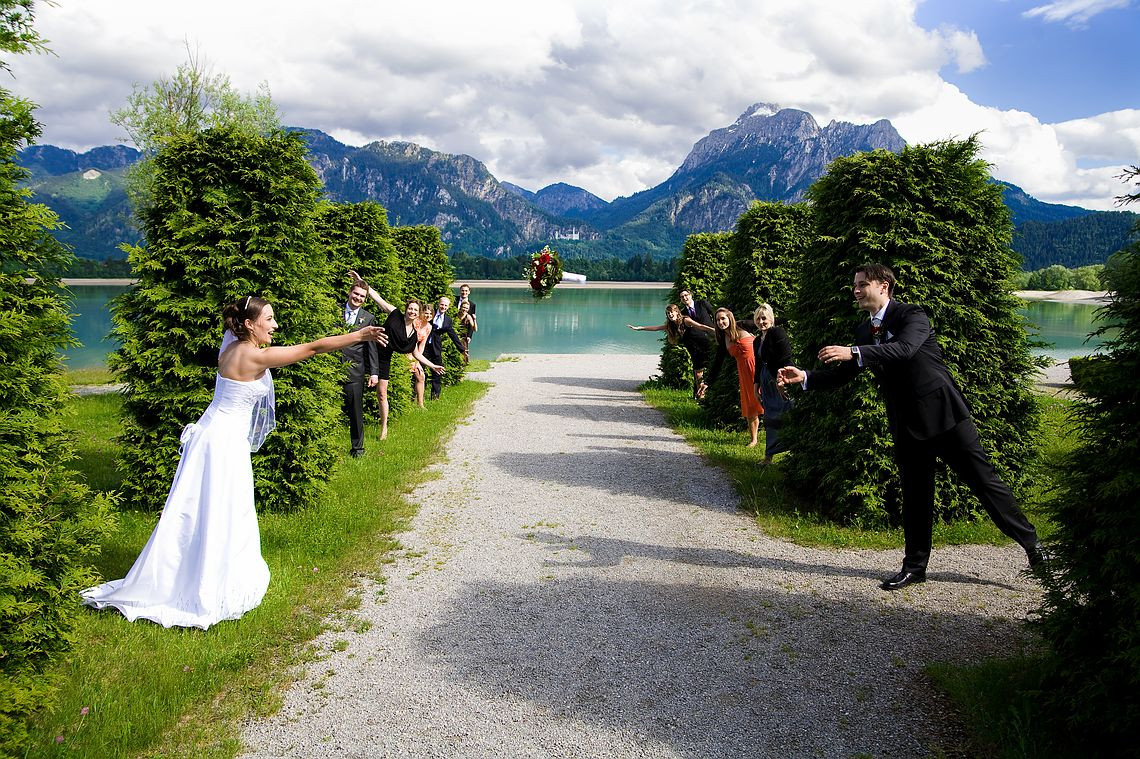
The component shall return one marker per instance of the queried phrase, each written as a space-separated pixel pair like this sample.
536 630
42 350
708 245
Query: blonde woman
773 352
731 339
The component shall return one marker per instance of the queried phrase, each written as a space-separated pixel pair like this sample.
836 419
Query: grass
782 513
96 375
178 692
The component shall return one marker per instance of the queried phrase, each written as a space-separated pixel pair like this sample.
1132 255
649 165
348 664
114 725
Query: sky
611 96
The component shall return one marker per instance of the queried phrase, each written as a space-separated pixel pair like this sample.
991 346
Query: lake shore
1089 297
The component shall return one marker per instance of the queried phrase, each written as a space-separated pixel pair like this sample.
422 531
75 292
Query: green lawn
138 688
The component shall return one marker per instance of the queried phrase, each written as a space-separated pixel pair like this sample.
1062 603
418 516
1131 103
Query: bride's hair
236 313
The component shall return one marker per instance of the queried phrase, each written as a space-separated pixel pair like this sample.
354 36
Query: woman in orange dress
737 342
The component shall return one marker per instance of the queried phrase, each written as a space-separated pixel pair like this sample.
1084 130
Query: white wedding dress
203 561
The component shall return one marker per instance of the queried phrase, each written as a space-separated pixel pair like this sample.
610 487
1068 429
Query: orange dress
423 331
742 351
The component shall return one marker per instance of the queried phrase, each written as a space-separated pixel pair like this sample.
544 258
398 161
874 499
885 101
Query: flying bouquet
544 272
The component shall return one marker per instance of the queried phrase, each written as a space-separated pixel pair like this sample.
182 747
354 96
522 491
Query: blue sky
1057 70
611 96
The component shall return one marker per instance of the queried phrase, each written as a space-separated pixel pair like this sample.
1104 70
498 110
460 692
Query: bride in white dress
203 561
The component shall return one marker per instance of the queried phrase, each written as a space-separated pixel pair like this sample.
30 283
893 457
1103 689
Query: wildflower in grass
59 739
84 711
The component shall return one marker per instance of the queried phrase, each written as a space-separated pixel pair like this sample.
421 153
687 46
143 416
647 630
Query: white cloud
607 96
1075 13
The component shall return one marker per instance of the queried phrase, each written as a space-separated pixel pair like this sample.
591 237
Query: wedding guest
683 330
773 352
402 338
423 331
465 297
361 360
468 326
733 340
927 415
441 324
203 564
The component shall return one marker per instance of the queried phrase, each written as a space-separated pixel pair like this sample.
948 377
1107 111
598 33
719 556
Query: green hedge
356 236
702 269
932 215
49 524
427 276
231 215
1091 610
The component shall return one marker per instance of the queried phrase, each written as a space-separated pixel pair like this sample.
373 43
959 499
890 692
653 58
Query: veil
264 416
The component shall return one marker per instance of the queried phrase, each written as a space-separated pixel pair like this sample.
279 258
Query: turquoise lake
573 320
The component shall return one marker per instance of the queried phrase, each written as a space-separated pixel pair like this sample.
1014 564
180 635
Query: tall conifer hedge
356 236
702 269
1091 610
427 276
50 525
231 215
933 216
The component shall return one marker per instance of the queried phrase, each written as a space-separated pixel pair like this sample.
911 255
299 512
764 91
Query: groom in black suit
363 362
927 415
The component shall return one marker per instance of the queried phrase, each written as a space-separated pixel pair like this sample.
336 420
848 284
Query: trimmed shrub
50 526
763 266
427 276
356 236
932 215
1091 610
702 269
231 214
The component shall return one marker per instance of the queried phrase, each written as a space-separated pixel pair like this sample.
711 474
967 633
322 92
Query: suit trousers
961 450
354 407
435 355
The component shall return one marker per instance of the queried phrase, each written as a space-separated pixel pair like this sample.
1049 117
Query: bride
203 561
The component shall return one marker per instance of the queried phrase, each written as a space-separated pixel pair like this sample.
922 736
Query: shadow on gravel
611 552
597 383
703 670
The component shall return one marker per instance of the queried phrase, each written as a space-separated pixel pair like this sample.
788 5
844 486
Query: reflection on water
572 320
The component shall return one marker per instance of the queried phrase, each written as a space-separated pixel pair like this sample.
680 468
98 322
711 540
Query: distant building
573 234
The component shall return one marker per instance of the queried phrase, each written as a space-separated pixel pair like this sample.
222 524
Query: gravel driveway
579 583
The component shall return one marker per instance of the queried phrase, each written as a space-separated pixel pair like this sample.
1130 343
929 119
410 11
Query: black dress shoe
1038 555
357 454
903 578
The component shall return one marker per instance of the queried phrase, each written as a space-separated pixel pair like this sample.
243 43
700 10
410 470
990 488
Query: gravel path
579 583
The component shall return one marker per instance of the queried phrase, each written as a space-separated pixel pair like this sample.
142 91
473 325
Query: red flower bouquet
544 272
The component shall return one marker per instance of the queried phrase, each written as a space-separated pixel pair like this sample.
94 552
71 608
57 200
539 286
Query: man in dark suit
927 415
696 341
362 361
441 324
465 295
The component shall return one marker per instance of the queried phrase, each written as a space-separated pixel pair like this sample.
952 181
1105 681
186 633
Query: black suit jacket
434 347
773 351
704 313
363 359
921 396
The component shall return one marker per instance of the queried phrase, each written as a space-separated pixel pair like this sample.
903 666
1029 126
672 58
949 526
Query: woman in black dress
682 330
773 352
402 338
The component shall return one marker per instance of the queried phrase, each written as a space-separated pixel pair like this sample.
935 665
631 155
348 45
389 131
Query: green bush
764 264
932 215
231 214
427 276
356 236
1091 610
702 269
50 525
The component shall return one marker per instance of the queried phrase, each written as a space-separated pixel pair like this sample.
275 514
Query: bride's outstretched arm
385 306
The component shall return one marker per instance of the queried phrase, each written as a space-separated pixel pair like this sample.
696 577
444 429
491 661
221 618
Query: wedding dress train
203 561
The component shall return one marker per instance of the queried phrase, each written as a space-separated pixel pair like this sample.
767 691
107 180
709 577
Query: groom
926 413
363 362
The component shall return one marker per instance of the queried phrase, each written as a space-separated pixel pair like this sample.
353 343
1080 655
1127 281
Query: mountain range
768 153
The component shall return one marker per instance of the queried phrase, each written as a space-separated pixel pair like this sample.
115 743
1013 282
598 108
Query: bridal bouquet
544 272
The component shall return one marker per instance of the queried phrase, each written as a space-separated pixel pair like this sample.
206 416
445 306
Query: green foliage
427 276
231 215
764 263
17 29
192 100
1078 242
1091 610
1057 277
702 269
931 215
49 524
356 236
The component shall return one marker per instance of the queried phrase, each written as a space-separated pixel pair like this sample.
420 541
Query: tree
1091 609
1130 174
932 215
192 100
231 215
50 526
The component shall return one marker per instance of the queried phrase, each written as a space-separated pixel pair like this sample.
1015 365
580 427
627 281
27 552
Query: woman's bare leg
419 375
754 430
382 392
